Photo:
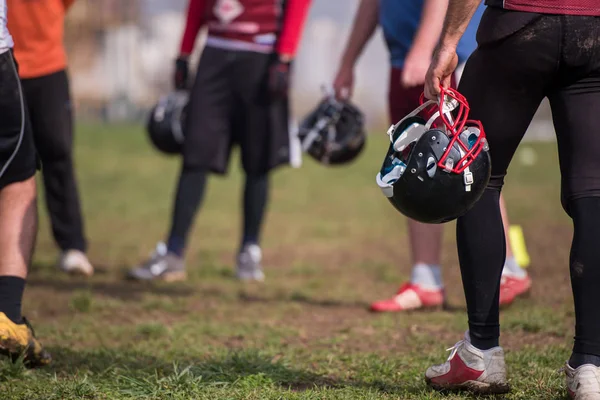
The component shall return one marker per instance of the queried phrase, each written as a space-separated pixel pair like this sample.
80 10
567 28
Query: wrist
286 58
449 42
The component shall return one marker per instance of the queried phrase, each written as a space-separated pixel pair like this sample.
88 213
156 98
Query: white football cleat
468 368
583 383
75 262
249 266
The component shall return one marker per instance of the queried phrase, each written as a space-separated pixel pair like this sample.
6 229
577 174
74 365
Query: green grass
332 244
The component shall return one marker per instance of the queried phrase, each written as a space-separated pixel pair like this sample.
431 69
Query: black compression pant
522 58
188 198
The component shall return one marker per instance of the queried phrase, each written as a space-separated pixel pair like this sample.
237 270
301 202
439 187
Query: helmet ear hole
431 167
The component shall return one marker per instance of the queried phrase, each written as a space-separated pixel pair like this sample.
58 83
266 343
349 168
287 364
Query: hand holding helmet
435 172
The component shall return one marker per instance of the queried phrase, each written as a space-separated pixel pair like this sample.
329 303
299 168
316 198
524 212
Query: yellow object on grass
519 249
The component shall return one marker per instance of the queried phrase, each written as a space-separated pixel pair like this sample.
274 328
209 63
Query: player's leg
50 108
264 141
425 288
18 217
576 120
515 280
206 149
504 81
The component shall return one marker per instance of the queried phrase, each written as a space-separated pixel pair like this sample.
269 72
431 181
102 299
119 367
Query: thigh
505 80
264 121
51 116
576 121
208 127
17 151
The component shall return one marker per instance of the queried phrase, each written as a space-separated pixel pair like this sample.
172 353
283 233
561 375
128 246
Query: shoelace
454 349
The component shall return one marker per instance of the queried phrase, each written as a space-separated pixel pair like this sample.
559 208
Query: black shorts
18 160
523 58
230 104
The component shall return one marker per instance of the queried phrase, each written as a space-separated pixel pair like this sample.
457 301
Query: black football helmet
333 133
165 125
434 173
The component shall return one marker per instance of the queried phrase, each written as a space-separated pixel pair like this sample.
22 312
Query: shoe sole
434 308
523 295
173 276
77 272
166 277
12 349
472 386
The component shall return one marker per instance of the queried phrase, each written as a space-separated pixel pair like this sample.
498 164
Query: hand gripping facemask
436 169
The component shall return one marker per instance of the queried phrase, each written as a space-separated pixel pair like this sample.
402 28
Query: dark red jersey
564 7
255 25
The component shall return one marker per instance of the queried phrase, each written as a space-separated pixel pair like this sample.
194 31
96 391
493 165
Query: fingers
342 89
432 87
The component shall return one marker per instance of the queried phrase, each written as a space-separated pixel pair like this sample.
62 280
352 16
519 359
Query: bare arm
365 23
458 17
418 58
68 3
430 26
445 59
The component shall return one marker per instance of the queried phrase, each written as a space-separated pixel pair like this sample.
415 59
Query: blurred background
121 58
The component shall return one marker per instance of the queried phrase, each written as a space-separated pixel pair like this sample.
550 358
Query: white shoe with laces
583 383
468 368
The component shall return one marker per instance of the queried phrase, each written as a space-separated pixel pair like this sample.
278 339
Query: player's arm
67 4
430 26
194 21
294 19
428 33
363 27
193 24
445 59
460 13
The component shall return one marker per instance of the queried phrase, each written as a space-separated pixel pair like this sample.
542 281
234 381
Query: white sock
512 268
427 276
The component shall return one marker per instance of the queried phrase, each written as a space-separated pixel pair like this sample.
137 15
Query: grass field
332 244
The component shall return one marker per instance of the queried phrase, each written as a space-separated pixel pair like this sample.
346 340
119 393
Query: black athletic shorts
230 104
18 160
523 58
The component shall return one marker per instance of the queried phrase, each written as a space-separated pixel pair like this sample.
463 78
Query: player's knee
496 183
584 207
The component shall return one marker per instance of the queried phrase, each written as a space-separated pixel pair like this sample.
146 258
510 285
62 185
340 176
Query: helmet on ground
435 173
333 133
165 125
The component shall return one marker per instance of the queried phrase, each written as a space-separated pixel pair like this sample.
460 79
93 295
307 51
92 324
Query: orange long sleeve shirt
37 28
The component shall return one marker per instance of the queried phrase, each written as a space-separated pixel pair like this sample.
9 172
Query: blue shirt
400 20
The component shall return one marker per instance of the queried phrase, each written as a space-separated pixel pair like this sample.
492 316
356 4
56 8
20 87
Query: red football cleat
410 297
512 287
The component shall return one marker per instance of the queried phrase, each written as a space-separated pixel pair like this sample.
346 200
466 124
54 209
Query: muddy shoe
162 265
583 383
471 369
18 340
